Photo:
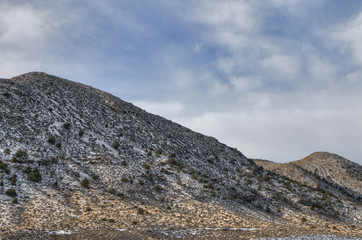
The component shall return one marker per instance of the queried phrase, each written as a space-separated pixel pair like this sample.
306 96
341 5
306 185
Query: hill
77 158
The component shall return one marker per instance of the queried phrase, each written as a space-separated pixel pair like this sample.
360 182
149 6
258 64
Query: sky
276 79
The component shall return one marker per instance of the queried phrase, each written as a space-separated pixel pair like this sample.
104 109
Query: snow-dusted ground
317 237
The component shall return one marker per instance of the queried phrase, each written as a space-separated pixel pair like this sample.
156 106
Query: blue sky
276 79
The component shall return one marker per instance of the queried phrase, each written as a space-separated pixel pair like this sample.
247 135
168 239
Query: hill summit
74 158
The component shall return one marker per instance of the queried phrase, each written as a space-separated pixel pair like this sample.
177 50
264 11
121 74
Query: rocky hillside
334 168
318 169
74 157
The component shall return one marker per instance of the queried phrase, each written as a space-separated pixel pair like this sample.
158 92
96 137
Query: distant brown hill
319 165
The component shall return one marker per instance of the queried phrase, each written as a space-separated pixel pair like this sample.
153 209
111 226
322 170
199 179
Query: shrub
124 179
15 201
80 132
115 145
157 188
51 139
149 153
21 153
34 175
123 163
140 211
149 177
66 125
14 159
146 166
27 169
85 183
7 151
13 180
158 152
303 219
4 166
111 191
58 145
10 192
6 94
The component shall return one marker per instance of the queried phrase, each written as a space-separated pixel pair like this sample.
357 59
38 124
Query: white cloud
351 35
21 25
244 84
282 65
279 135
230 21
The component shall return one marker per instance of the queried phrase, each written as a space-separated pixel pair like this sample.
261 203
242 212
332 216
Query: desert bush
58 145
27 169
11 192
66 125
34 175
140 211
80 132
146 166
51 139
111 191
115 145
157 188
21 153
14 159
303 219
7 151
4 166
149 177
13 179
85 183
15 201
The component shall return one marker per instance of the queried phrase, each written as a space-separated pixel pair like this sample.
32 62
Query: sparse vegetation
7 151
80 132
115 145
13 179
66 125
111 191
140 211
85 183
11 192
51 139
34 175
21 153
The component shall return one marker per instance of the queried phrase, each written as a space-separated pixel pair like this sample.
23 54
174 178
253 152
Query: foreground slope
74 157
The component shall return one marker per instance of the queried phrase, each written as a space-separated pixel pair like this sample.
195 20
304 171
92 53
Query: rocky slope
333 168
320 169
74 157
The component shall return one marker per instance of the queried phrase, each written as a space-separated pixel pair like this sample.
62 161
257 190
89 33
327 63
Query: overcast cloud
276 79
